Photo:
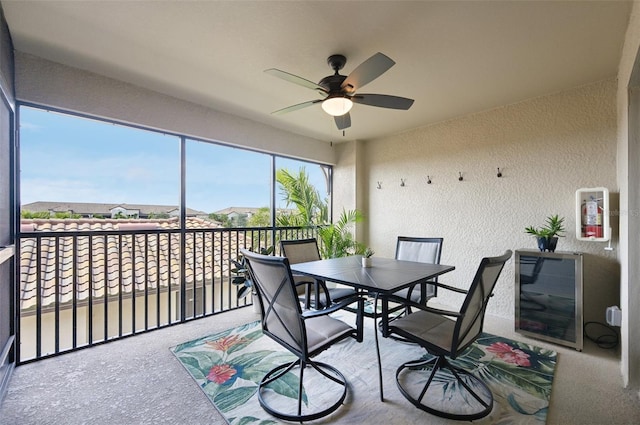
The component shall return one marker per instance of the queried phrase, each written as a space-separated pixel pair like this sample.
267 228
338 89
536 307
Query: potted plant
242 277
366 257
548 234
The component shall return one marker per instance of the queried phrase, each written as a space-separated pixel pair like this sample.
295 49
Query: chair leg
360 321
265 394
450 388
375 332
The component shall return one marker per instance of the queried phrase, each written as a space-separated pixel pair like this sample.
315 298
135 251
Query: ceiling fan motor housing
333 83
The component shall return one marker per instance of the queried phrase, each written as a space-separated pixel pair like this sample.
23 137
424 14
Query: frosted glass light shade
337 106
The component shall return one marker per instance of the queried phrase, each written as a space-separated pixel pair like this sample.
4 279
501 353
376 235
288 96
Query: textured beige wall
546 148
349 174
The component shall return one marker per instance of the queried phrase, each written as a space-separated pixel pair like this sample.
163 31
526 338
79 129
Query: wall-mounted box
592 214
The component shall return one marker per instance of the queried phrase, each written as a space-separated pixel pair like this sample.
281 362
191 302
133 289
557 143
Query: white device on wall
614 316
592 214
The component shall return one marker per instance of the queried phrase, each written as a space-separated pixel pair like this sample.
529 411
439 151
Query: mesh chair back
469 326
300 251
421 250
279 304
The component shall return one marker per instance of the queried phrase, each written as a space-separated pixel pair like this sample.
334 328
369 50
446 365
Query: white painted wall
546 148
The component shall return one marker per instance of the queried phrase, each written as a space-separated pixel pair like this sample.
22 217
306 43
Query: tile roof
118 262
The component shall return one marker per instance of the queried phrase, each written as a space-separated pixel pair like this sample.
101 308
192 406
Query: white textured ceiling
453 58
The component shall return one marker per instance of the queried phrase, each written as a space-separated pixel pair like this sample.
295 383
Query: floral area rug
228 366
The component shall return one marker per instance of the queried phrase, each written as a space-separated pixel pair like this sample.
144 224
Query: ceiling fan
339 91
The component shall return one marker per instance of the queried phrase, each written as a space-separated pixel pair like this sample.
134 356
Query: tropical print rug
228 366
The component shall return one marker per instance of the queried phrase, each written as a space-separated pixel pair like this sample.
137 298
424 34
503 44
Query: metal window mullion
273 195
183 227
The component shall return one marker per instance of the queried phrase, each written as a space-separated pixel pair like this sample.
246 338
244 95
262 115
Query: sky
65 158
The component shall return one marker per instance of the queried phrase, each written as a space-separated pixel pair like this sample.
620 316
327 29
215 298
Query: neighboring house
89 210
236 213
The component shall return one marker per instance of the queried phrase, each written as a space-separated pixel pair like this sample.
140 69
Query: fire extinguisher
592 218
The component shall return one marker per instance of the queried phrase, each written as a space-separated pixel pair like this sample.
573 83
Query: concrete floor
138 381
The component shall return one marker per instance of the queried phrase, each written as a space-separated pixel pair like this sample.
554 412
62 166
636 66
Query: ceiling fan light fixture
337 106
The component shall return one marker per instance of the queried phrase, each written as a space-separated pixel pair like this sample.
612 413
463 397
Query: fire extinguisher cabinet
592 214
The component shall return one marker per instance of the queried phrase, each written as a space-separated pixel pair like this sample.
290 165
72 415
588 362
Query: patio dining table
383 278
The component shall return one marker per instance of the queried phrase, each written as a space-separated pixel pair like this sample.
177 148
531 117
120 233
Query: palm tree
336 239
298 191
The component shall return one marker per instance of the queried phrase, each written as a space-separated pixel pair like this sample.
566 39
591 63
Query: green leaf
232 398
243 291
239 280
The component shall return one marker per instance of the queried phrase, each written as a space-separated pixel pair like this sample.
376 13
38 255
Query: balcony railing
82 288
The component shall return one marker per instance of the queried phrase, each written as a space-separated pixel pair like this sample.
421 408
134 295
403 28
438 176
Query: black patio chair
422 250
445 334
303 333
301 251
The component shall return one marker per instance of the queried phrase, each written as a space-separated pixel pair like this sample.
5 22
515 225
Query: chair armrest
332 308
423 307
450 288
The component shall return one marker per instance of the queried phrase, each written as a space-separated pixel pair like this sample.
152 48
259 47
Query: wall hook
428 180
379 185
499 172
401 182
460 178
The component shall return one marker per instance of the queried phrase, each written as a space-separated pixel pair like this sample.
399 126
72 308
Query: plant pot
366 262
547 244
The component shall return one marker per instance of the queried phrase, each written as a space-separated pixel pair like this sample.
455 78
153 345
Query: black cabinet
549 296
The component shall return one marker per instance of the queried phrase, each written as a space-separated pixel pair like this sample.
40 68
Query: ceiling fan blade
295 79
343 121
296 107
366 72
383 101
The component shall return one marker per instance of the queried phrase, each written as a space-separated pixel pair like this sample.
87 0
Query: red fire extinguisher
592 219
